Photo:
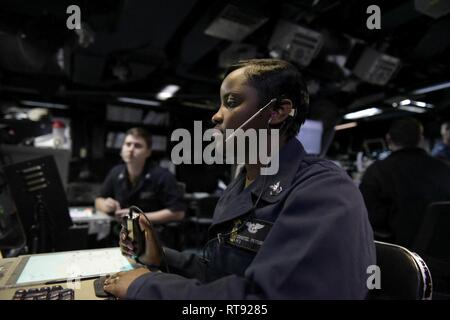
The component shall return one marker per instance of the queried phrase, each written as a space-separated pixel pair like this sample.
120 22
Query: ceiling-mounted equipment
433 8
375 67
412 106
295 43
235 23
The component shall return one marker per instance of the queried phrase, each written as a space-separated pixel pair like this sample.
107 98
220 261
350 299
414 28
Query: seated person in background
441 149
141 183
301 232
398 189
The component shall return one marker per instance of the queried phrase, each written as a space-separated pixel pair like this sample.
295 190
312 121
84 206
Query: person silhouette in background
398 189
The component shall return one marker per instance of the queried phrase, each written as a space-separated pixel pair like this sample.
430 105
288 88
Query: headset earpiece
293 111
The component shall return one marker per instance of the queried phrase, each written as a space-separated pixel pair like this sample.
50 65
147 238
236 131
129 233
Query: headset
275 102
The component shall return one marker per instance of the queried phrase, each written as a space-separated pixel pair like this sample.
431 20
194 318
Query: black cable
35 229
50 223
250 216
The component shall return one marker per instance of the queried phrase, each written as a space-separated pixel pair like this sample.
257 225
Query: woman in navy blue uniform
302 233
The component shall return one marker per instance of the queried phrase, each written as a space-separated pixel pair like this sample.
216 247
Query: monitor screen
41 203
15 154
374 147
73 265
310 136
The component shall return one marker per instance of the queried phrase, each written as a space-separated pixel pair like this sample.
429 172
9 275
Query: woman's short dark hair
274 78
142 133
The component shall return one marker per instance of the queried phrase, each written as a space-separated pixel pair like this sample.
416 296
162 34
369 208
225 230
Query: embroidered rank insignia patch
146 195
249 235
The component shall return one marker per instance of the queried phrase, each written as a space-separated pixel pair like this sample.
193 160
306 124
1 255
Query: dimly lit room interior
94 96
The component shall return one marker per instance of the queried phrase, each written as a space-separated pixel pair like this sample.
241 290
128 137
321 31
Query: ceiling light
408 102
420 104
49 105
139 101
345 126
167 92
362 113
436 87
405 102
412 109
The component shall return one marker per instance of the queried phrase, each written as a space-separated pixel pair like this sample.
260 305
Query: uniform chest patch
249 235
146 195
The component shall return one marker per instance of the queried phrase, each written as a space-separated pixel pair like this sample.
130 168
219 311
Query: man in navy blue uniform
397 190
302 233
441 149
140 183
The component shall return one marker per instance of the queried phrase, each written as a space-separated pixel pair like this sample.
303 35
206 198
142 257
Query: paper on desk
101 228
81 212
99 223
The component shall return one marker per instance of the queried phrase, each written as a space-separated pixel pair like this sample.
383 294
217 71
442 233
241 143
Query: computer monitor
12 236
374 147
15 154
310 136
41 202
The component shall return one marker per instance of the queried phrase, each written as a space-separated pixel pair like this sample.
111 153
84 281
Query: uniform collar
238 201
410 150
274 186
145 175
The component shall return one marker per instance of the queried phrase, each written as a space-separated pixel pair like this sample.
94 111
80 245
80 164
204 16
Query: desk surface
11 268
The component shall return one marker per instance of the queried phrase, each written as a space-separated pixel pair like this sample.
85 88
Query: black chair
201 220
82 193
204 209
433 244
172 234
404 275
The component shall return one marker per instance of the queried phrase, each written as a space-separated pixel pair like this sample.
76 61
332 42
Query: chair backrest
404 275
433 244
433 238
205 207
181 187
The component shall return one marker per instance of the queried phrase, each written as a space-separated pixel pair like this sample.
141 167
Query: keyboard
44 293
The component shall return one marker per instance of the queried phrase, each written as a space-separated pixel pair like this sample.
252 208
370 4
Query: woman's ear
281 111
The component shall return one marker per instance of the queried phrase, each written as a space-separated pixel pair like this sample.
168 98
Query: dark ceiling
141 45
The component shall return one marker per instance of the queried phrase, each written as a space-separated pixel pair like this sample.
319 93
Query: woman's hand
152 255
119 283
